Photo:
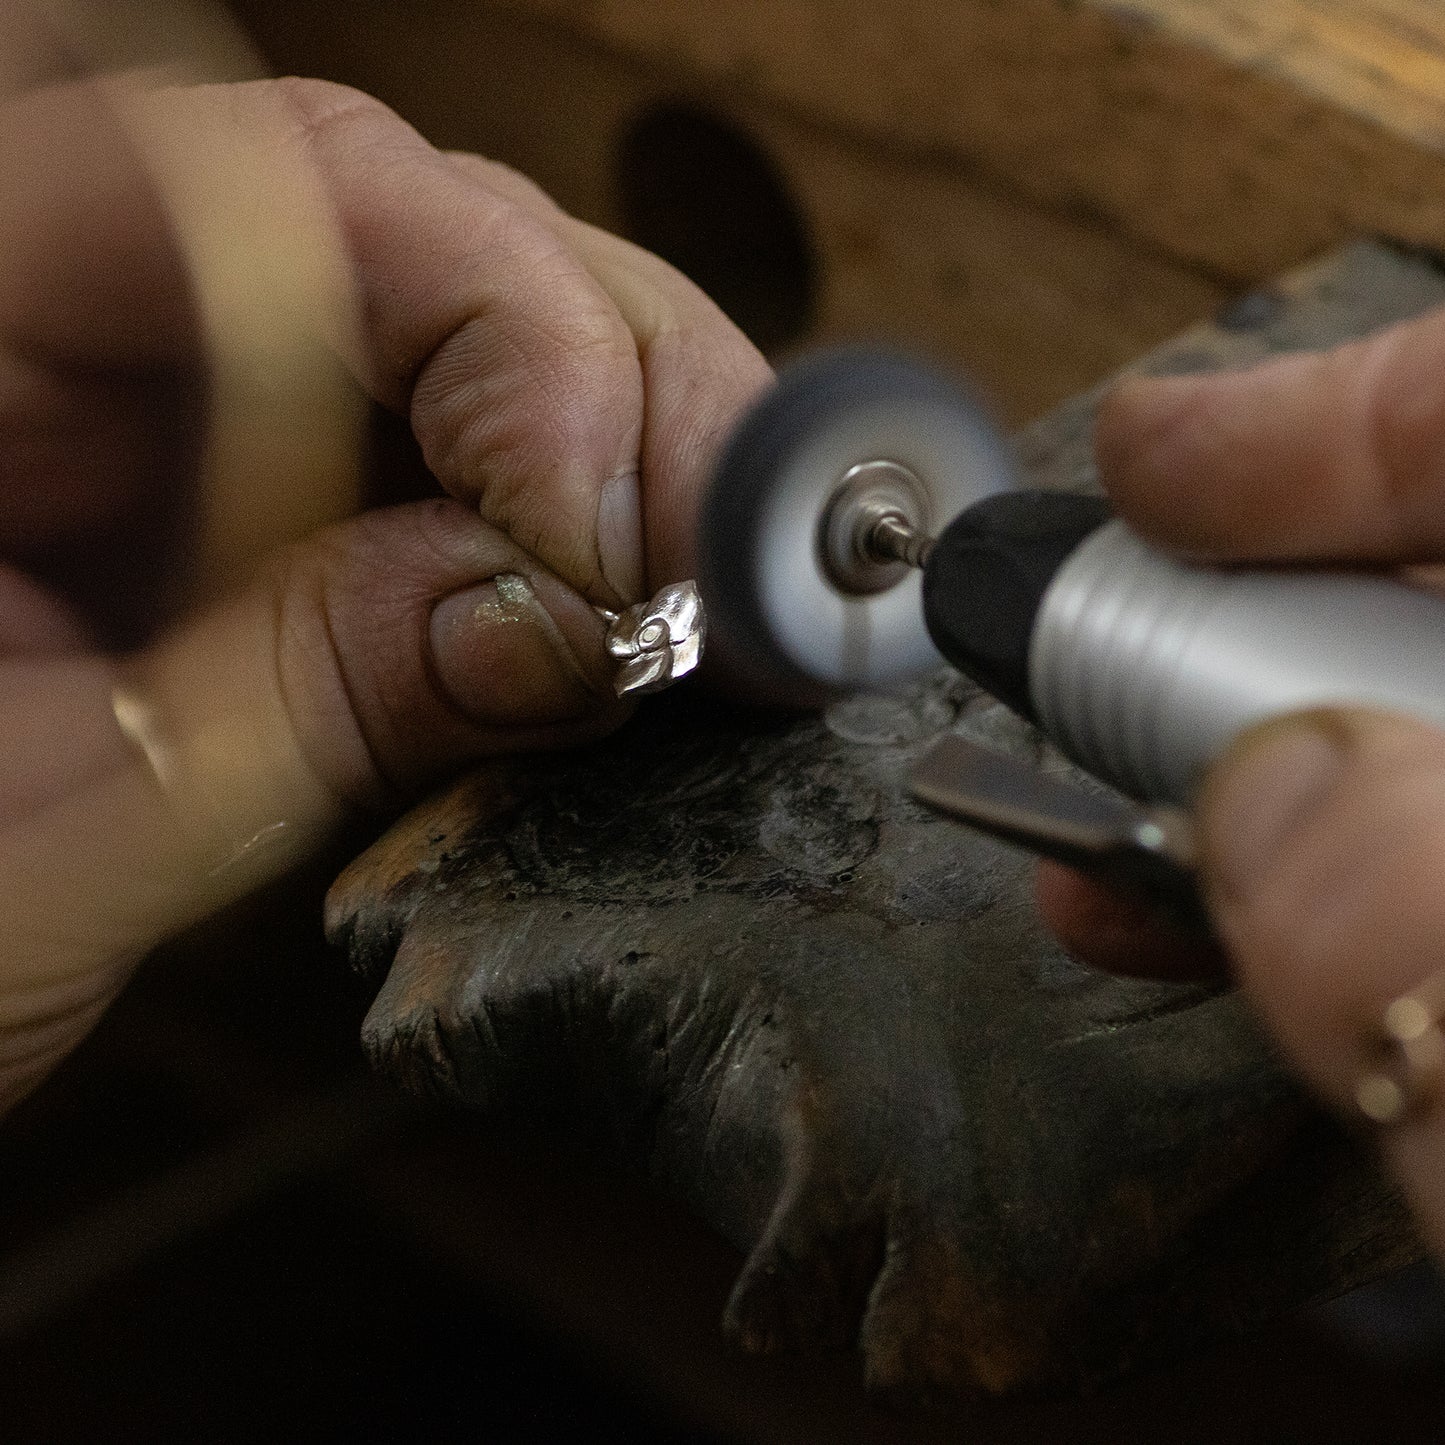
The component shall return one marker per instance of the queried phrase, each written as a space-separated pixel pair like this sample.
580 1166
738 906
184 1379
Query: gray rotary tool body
867 506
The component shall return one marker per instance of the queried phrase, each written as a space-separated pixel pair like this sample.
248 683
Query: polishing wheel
820 503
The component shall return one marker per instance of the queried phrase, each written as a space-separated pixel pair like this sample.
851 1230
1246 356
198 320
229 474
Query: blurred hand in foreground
1323 836
175 260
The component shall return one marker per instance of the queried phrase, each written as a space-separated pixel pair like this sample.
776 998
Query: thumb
1323 840
370 659
1337 454
362 664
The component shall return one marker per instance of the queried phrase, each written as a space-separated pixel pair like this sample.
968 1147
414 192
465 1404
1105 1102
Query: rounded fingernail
503 659
619 536
1268 786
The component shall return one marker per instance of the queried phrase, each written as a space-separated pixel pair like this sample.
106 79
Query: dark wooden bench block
831 1022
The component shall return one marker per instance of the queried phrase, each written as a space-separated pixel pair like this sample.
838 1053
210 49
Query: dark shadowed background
215 1226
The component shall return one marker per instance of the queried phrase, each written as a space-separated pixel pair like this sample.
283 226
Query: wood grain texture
1240 136
1383 60
1036 302
1036 190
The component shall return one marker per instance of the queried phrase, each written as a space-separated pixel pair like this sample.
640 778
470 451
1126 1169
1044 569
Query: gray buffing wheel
839 429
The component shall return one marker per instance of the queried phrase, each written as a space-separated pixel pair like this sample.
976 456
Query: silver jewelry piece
657 643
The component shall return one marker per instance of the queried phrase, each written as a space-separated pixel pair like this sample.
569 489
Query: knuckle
315 108
654 309
506 181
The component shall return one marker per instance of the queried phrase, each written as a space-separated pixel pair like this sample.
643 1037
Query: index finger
699 371
1317 456
559 381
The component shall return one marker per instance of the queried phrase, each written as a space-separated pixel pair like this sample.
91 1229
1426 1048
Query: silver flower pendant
657 643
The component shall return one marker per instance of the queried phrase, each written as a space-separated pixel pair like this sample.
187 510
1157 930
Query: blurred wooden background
1038 190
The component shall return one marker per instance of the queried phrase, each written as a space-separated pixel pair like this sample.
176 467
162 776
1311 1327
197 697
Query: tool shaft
894 539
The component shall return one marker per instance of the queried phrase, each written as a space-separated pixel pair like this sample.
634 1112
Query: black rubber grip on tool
986 580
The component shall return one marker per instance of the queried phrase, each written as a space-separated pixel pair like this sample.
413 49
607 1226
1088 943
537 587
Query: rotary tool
866 518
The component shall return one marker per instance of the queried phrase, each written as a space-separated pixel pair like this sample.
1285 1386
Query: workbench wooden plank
1032 303
1037 190
1240 136
1036 302
1381 59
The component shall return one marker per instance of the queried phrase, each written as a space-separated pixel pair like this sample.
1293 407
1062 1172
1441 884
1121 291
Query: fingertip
1120 933
700 385
1306 456
1221 465
1258 796
416 639
1159 446
1140 433
1138 416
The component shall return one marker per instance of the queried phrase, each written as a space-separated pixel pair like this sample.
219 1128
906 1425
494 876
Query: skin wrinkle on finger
335 717
694 358
415 177
463 415
647 291
510 243
507 181
346 762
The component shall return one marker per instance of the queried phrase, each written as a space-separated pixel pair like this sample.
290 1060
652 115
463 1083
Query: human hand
1322 836
566 389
